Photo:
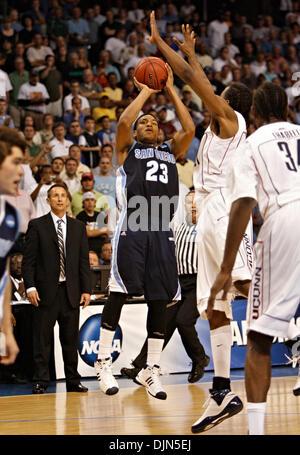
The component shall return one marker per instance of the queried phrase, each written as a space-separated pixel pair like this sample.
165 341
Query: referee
183 314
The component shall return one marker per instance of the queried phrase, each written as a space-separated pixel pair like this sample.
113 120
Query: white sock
155 346
256 418
220 340
105 343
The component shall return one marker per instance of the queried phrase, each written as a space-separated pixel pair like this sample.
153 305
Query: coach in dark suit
57 280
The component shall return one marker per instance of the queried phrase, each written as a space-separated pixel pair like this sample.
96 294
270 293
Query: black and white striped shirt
186 249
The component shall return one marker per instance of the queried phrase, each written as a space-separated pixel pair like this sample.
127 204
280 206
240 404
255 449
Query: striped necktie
62 259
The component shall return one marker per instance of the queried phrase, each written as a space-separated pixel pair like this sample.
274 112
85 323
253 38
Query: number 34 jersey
148 181
266 167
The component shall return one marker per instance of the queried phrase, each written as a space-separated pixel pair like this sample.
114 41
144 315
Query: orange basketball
152 71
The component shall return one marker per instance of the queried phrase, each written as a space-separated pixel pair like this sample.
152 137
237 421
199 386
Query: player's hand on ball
188 45
141 87
222 282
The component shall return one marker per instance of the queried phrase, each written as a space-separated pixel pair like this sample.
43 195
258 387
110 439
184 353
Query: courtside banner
131 333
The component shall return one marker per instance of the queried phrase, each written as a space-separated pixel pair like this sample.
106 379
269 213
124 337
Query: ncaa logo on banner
88 345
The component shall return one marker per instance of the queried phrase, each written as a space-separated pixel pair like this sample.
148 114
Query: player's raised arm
124 138
191 73
182 138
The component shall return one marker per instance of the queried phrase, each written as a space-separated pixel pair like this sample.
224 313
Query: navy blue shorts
144 263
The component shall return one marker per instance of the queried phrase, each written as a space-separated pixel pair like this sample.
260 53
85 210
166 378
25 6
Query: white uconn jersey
214 157
267 167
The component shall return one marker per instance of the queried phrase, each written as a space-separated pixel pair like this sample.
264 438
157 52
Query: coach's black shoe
130 373
76 388
197 370
222 404
38 389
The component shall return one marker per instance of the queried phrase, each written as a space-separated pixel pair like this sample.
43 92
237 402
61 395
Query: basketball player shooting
228 128
143 259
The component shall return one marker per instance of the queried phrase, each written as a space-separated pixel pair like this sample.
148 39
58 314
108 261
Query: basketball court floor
133 412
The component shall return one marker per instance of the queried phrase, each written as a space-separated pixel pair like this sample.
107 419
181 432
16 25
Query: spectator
277 58
87 185
33 97
75 152
71 71
8 33
105 134
75 91
185 168
17 78
167 126
223 59
69 177
247 77
106 253
93 26
104 108
115 44
23 202
123 20
46 133
93 259
108 151
133 61
82 58
108 27
106 65
190 105
130 49
215 31
270 73
204 59
5 119
39 195
29 29
36 14
90 89
14 17
29 133
89 143
292 59
60 145
232 48
114 92
78 29
36 54
135 13
57 166
74 132
76 114
57 26
99 18
52 79
5 85
96 235
105 183
258 66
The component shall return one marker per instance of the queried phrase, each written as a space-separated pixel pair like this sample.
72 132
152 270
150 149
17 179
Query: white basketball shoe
149 378
221 405
107 381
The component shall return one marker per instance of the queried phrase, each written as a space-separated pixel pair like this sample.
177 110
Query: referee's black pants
182 316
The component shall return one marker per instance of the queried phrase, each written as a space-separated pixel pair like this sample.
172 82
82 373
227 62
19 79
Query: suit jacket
40 266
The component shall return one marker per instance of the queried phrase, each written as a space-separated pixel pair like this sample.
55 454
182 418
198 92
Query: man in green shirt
87 184
17 78
57 26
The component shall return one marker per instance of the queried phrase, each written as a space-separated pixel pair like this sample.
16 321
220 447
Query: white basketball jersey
214 156
267 167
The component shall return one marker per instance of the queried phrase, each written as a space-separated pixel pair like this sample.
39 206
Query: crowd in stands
66 76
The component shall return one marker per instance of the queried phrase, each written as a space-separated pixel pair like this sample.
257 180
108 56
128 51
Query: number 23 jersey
148 172
266 167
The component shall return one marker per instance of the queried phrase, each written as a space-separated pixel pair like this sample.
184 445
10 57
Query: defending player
143 260
11 157
266 170
226 131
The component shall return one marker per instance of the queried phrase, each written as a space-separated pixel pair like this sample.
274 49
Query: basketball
152 72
